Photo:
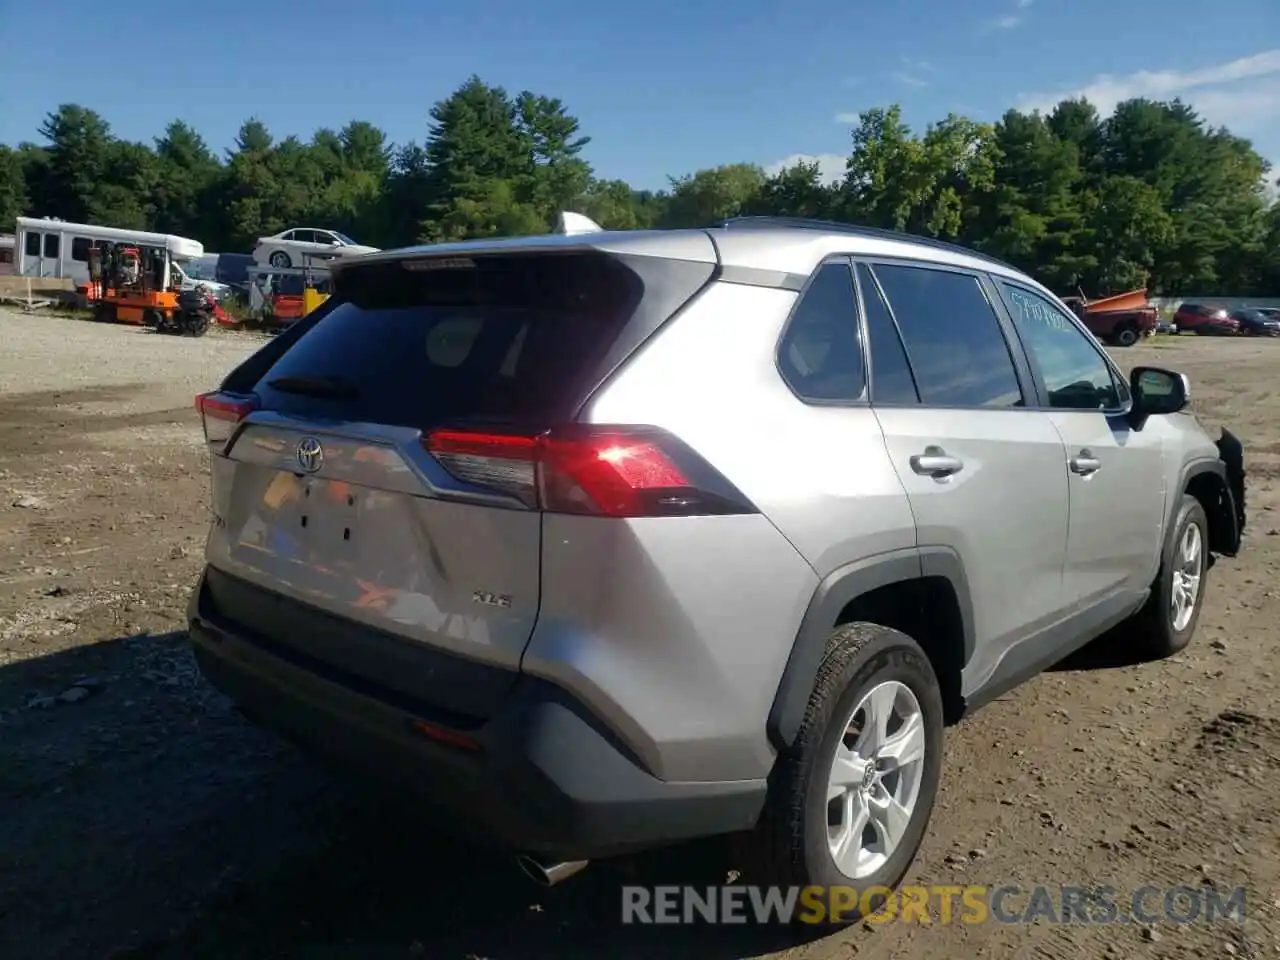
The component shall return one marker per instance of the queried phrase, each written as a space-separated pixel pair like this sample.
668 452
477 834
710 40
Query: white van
57 248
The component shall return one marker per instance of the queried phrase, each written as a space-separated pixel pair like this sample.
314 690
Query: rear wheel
1167 622
850 800
280 259
1126 336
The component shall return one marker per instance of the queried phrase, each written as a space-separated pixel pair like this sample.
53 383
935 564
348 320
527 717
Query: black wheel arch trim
1226 510
836 591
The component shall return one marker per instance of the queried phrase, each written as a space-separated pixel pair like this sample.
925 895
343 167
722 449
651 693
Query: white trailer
59 249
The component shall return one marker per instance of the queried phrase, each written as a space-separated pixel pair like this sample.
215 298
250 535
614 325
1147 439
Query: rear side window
820 355
52 243
957 350
80 249
515 339
891 380
32 244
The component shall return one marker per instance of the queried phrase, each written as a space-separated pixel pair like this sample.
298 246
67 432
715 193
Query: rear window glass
513 339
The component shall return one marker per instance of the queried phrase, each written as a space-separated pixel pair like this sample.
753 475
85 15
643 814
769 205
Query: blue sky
662 87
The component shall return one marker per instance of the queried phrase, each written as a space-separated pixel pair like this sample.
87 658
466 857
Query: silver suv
606 541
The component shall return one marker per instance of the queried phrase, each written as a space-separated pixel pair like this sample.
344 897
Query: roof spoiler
572 224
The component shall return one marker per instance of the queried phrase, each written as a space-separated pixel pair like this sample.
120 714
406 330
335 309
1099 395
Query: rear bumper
541 775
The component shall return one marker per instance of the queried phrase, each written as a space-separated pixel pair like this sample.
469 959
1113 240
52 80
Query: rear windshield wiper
334 387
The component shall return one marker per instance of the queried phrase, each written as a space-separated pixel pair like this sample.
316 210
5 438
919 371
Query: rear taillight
221 412
601 471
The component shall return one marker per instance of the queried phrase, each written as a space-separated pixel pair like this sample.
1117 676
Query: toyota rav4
601 542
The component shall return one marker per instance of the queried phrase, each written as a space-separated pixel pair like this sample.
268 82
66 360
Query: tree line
1149 196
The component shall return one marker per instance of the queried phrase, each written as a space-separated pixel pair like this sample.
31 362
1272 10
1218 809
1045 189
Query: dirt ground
141 817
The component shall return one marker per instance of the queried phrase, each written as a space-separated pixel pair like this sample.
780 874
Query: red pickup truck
1123 319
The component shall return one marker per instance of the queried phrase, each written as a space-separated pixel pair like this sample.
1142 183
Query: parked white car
287 248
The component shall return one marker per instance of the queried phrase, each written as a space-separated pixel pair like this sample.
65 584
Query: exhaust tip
548 875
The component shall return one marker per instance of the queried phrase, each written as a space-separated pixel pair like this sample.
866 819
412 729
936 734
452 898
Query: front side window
1075 374
32 244
953 339
820 355
51 245
80 249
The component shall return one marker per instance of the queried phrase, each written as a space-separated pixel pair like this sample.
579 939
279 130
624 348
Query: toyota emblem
310 455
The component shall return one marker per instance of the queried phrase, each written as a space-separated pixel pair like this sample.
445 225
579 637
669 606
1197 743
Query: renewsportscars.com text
971 904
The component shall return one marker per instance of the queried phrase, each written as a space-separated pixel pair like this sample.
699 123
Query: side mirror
1157 391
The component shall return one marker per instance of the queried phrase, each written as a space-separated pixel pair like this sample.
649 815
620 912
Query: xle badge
485 598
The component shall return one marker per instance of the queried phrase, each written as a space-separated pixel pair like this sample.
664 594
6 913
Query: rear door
326 495
983 470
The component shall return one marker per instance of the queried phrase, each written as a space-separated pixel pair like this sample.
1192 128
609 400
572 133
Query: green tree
476 155
554 174
611 203
714 194
186 172
249 192
796 191
78 159
1031 217
1148 195
14 199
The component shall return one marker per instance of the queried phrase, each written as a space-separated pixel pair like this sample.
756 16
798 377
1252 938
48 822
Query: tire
1159 631
1126 337
196 324
789 846
280 259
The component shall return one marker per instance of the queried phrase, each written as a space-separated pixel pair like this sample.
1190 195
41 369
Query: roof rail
854 229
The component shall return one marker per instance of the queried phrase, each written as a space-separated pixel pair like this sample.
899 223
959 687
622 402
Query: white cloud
830 165
1007 22
1240 95
918 66
1243 104
909 79
848 118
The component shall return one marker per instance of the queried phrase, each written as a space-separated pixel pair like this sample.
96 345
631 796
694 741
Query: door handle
1084 463
937 463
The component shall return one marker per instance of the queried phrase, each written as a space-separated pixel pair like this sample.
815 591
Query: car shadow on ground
1113 650
172 828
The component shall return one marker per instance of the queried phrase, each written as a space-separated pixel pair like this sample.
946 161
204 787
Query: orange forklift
134 283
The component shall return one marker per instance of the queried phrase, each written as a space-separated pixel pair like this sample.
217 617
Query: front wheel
1167 622
849 801
280 259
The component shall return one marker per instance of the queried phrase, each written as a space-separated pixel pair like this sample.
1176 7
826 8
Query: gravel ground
140 817
43 352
